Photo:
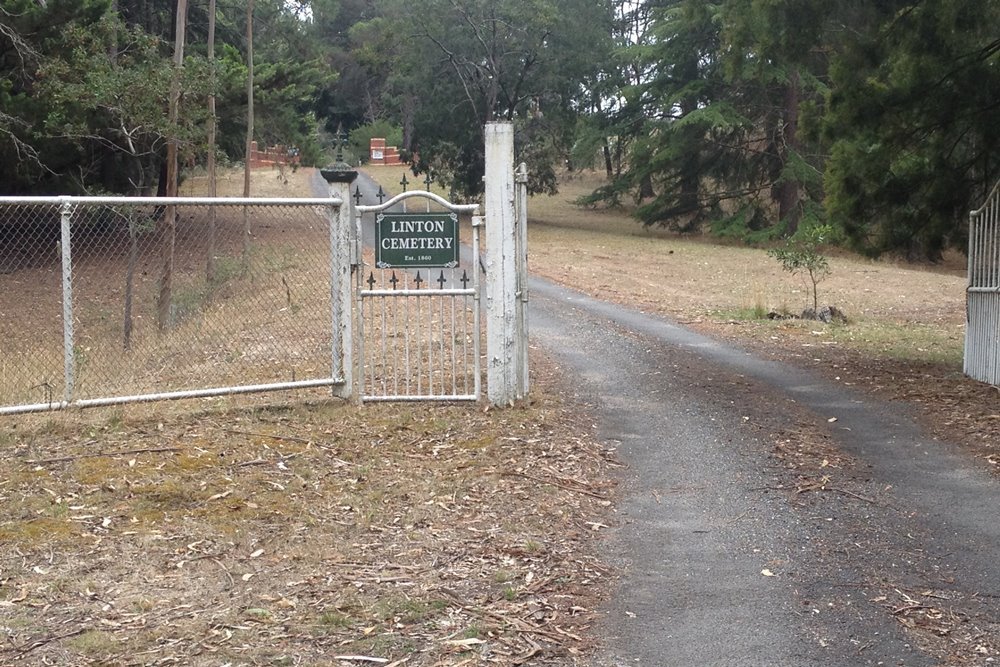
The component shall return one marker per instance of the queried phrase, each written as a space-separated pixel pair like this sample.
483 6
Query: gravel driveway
768 517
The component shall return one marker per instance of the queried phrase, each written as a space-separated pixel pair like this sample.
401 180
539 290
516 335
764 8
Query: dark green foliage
83 100
749 118
31 158
719 140
453 67
913 124
359 141
897 104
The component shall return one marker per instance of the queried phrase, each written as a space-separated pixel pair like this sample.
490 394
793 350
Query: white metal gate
982 333
419 322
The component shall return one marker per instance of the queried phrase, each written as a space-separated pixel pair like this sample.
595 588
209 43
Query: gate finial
340 139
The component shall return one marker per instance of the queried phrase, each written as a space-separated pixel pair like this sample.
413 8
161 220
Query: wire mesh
31 332
164 297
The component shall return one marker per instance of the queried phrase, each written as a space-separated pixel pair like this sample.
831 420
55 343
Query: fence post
521 263
501 275
69 356
340 177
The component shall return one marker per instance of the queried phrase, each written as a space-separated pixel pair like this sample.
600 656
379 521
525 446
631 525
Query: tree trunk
609 167
249 138
133 255
409 111
249 142
689 176
788 190
646 188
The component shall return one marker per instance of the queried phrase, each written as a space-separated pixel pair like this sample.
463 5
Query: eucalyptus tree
468 63
49 141
358 95
292 74
84 97
17 59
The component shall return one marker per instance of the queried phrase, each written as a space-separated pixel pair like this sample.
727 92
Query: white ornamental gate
982 333
418 332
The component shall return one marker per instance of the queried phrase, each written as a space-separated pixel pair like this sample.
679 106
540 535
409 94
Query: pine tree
912 123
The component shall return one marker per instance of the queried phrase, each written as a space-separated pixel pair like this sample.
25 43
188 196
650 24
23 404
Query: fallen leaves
946 621
389 536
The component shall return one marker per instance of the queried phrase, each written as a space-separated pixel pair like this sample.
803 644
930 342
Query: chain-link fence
104 299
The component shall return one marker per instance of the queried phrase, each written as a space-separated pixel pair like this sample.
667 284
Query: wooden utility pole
168 223
249 144
213 124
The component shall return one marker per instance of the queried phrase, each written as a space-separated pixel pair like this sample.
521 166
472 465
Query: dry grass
242 531
264 182
290 535
904 339
899 311
220 332
390 177
896 310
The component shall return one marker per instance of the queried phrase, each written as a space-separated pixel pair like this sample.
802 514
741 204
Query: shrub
802 254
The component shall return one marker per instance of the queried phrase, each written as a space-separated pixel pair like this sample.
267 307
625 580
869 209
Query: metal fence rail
982 333
113 300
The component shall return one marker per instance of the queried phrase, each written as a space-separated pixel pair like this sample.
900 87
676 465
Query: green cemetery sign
416 240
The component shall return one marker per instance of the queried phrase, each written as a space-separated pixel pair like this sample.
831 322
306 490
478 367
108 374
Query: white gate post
341 259
501 272
521 264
